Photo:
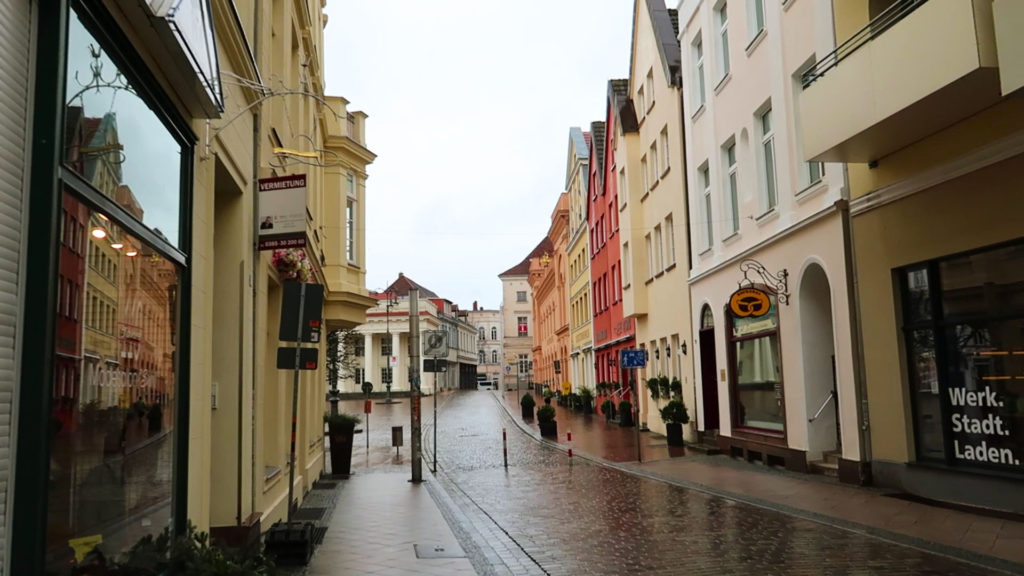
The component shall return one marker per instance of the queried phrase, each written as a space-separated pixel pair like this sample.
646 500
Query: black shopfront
104 391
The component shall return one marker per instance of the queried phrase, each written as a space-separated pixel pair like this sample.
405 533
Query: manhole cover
438 551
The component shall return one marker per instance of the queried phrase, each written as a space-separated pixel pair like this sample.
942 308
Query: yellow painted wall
963 214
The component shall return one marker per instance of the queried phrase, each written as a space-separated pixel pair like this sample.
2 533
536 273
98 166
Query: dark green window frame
48 181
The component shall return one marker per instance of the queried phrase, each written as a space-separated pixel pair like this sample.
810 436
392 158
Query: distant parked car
485 385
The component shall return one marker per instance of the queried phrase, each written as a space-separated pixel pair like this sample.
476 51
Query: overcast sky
470 104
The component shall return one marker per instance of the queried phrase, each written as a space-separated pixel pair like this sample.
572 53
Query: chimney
474 305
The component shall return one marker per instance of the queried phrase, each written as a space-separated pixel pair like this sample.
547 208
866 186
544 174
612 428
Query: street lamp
392 300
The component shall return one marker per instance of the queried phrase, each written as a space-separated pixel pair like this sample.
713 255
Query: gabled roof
622 105
523 268
577 147
597 140
666 36
403 284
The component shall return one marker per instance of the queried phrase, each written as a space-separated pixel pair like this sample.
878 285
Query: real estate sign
282 214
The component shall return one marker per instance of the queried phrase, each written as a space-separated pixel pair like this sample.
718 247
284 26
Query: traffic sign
633 358
367 387
508 369
435 343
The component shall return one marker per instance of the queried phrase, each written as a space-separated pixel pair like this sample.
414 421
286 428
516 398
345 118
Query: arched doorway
816 333
708 372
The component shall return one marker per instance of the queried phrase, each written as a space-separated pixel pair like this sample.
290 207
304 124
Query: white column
368 364
397 380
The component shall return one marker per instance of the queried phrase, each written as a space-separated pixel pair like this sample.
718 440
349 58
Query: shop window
757 371
963 325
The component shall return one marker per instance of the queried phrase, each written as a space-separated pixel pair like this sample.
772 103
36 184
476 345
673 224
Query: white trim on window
699 94
769 182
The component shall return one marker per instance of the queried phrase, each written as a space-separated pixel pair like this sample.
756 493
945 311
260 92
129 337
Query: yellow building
581 336
653 212
923 101
272 64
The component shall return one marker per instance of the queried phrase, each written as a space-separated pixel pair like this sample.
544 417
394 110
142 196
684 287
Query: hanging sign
749 302
282 212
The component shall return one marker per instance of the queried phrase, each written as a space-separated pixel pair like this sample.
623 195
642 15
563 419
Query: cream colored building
517 319
491 362
780 385
271 57
581 334
652 211
927 111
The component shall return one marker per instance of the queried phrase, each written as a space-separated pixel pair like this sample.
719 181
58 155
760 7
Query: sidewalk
981 539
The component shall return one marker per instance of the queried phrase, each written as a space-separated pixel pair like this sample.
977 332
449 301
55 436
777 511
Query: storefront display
964 329
756 365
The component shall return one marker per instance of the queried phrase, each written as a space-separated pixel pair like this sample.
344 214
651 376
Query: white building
491 362
517 319
761 217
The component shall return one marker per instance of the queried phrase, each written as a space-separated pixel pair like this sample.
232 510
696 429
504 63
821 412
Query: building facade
548 285
935 196
613 331
491 364
155 311
654 210
778 379
517 319
581 337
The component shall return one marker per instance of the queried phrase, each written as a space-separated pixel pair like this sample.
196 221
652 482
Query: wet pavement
545 514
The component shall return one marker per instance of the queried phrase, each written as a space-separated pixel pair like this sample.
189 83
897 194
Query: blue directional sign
633 358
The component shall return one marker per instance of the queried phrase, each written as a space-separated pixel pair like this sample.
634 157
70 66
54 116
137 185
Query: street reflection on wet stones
583 518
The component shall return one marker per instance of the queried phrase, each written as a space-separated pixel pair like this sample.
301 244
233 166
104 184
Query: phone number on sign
286 243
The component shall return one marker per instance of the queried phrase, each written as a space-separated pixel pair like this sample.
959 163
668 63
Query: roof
402 285
666 36
597 139
523 268
622 105
577 146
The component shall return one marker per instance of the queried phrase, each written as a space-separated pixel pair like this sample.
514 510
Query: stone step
831 456
704 448
824 468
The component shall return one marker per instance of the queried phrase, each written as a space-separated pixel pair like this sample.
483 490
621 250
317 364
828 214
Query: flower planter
341 436
674 433
548 429
625 418
527 412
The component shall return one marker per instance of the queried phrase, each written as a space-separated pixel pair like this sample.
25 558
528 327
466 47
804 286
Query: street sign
307 358
435 343
435 365
633 358
367 387
508 369
312 312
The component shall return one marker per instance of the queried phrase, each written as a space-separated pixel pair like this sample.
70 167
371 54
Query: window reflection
113 394
115 141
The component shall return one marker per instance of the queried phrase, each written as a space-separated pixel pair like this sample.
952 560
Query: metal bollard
569 439
504 446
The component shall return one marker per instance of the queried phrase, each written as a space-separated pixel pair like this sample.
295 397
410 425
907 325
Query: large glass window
757 371
112 419
964 332
115 141
112 422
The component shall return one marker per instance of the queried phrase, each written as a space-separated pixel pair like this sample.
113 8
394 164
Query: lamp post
392 300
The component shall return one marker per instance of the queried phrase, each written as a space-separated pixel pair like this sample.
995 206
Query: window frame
769 170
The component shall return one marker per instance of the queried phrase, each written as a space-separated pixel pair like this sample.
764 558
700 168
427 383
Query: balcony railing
889 17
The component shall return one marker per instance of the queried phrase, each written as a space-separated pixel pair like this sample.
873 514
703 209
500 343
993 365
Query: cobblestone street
545 515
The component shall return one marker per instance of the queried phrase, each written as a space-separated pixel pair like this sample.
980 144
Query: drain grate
308 514
318 535
324 485
428 551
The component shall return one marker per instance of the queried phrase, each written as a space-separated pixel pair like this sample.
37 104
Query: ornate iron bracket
779 282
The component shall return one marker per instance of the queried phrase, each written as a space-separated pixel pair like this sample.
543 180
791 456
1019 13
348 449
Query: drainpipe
256 125
856 341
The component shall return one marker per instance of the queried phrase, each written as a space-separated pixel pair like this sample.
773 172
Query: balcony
915 69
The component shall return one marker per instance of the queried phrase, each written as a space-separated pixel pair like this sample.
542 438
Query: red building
612 332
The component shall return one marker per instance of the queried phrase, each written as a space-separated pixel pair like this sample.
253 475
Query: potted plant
526 403
625 413
674 415
341 429
546 421
547 396
587 400
663 387
652 387
156 418
608 409
676 387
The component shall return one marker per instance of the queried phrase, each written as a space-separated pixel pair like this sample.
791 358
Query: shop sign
980 422
282 213
749 302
